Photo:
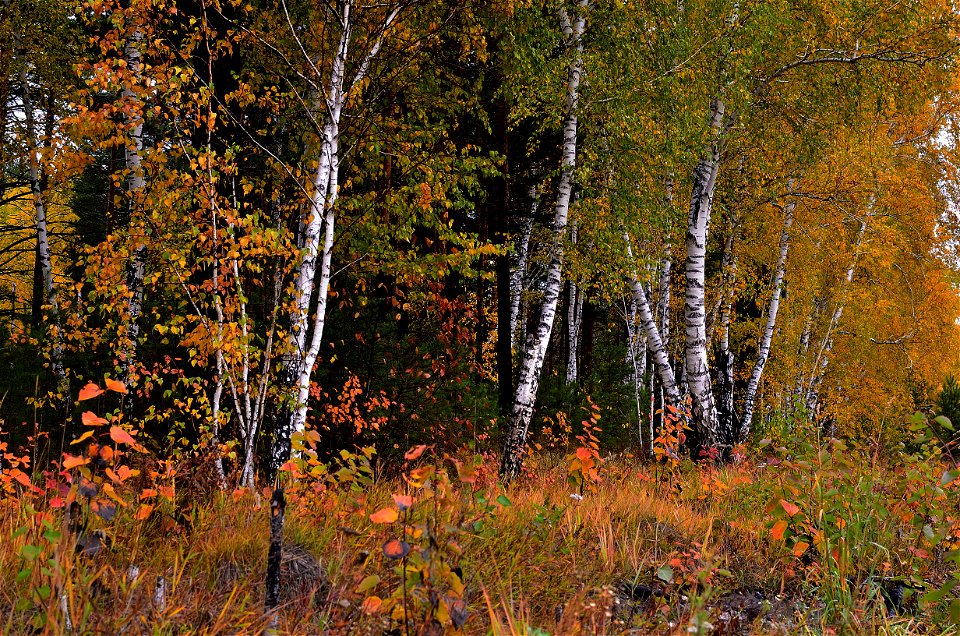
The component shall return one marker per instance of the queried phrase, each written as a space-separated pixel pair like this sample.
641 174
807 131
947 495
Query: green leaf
368 583
665 574
30 552
503 501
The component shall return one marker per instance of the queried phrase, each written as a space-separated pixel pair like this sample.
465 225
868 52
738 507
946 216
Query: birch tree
536 349
766 337
314 266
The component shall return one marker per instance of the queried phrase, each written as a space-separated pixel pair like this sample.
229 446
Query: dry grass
546 561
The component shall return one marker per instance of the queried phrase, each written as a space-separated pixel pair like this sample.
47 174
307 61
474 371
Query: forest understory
817 538
530 317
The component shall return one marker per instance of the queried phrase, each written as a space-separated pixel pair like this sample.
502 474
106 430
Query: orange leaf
387 515
371 604
144 512
115 385
789 508
396 549
415 452
70 461
403 501
120 436
22 477
800 548
89 418
83 437
584 453
88 392
778 529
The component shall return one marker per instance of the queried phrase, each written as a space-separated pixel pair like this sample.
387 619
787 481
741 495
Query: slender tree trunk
574 319
536 348
518 275
763 351
43 247
636 357
655 346
698 224
812 395
318 233
136 266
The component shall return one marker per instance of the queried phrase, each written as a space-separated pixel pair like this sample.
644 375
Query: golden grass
546 561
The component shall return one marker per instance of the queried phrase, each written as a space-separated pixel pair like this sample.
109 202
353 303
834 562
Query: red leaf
395 549
789 508
22 477
415 452
778 529
403 501
120 436
88 392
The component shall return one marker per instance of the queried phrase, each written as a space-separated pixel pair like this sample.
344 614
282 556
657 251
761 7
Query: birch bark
574 318
654 342
698 224
763 351
318 231
518 276
536 348
822 361
43 245
136 266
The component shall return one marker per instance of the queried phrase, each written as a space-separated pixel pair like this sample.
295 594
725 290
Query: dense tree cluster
421 221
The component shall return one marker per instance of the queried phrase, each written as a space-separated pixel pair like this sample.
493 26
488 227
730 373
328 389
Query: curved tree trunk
654 342
763 351
536 348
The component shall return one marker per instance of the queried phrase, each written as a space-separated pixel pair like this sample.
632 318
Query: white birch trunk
536 347
43 246
655 346
763 352
518 275
812 396
698 224
318 240
136 266
574 318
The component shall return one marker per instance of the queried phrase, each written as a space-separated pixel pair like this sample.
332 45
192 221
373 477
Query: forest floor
827 542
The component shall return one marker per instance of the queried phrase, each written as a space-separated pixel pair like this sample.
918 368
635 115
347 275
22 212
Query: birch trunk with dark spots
137 263
696 363
315 265
536 347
